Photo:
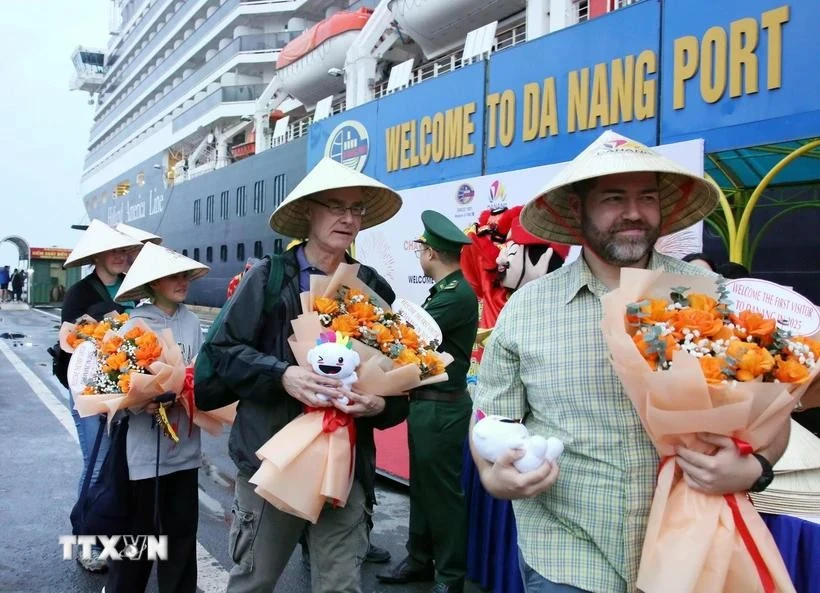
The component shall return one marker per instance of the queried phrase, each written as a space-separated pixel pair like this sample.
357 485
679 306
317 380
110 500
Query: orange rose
383 335
116 362
702 302
407 356
409 337
707 323
111 345
713 368
749 323
347 324
352 293
652 357
790 371
147 354
120 319
73 340
101 330
433 362
88 390
364 312
751 361
125 382
325 306
133 333
654 312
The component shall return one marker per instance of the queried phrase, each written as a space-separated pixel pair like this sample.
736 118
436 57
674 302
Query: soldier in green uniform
438 422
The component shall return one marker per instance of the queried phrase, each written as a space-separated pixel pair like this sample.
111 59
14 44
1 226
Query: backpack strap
100 288
276 279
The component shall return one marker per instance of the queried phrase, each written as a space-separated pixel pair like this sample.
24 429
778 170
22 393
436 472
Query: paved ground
41 463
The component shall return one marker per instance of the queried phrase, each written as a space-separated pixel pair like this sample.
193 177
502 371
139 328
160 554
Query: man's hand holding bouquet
310 461
706 381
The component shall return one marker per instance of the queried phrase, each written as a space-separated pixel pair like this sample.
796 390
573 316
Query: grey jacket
250 353
142 434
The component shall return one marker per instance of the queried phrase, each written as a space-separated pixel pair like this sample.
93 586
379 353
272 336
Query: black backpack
105 507
210 392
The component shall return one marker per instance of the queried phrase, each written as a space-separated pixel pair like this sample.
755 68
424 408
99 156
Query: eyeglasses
336 210
421 249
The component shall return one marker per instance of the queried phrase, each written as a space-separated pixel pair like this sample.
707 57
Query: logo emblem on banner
465 193
349 144
498 196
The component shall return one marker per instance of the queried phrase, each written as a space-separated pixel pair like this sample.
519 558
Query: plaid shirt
548 364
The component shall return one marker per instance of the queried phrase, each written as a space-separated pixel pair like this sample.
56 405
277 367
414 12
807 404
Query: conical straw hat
686 198
802 453
381 201
98 238
138 234
152 263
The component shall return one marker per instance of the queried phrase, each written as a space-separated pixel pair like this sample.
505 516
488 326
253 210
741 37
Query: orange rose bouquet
691 364
88 329
125 369
310 461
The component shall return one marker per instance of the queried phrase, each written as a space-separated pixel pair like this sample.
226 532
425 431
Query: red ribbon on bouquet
763 572
187 394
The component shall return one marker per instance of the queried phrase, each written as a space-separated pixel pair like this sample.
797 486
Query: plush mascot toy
333 356
525 257
493 435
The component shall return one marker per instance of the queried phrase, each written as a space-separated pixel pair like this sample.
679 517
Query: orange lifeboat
304 63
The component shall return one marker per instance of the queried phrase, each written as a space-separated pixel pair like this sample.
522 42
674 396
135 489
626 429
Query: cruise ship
208 112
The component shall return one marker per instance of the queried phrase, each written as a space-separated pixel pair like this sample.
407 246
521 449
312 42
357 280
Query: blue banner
550 98
740 73
422 135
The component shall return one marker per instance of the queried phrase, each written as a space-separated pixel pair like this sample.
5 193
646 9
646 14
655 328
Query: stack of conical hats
795 489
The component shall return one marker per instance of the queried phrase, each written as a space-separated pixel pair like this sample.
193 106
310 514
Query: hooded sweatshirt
142 434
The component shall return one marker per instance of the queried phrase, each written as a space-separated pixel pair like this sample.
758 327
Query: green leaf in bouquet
678 295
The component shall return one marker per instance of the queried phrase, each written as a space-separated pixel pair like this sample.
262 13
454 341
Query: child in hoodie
164 276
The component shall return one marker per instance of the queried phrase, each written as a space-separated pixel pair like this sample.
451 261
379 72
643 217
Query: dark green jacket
454 306
250 353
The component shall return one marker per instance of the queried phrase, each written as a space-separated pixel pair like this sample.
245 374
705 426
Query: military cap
441 234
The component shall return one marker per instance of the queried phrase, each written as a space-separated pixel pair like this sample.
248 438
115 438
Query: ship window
185 252
224 198
278 189
209 254
196 253
277 246
257 249
240 200
259 196
223 253
240 251
209 209
197 214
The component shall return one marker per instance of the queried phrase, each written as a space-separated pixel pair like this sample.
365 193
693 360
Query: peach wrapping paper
692 544
212 422
165 374
303 467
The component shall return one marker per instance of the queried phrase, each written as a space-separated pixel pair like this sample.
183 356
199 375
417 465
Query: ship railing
453 61
243 44
226 94
300 127
581 8
164 67
132 37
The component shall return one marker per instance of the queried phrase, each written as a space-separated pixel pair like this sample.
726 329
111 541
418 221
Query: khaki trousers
262 539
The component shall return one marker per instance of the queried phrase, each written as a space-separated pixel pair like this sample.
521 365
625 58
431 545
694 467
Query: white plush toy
493 435
333 356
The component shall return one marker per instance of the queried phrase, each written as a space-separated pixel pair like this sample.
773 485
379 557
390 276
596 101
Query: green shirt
454 306
546 362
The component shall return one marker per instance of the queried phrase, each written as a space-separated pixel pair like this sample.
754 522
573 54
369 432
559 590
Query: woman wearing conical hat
163 277
108 251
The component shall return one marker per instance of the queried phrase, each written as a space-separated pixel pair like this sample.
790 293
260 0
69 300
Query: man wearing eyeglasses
251 356
438 421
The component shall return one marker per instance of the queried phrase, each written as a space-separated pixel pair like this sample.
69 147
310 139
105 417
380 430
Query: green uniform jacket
454 306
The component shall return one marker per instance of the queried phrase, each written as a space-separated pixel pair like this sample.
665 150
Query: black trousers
178 518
